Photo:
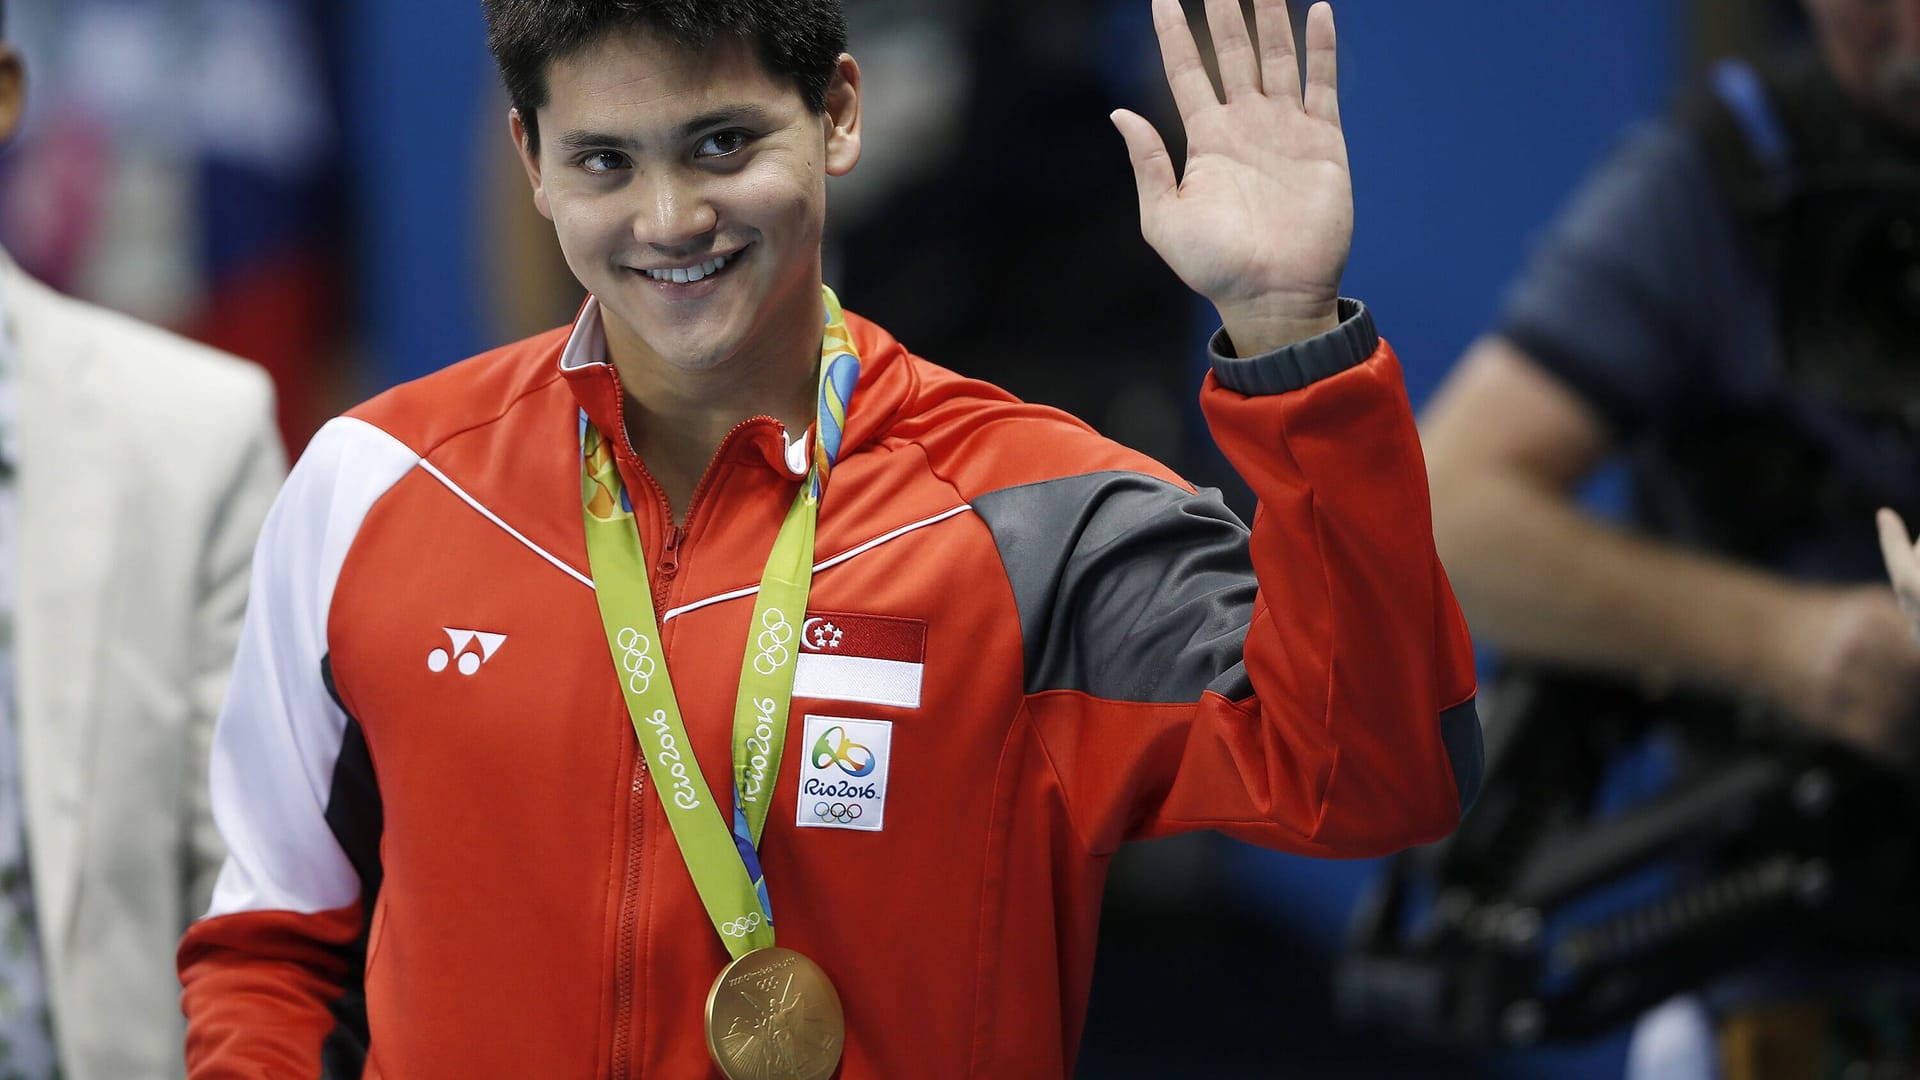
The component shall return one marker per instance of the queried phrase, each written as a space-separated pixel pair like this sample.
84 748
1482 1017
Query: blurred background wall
327 187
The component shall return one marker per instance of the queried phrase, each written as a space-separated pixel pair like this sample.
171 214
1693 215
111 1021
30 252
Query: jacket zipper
627 937
622 1064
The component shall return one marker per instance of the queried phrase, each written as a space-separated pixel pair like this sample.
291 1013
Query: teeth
684 275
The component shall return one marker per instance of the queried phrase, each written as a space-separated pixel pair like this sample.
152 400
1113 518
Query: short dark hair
799 40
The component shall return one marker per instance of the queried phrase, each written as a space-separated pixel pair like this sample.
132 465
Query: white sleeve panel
279 733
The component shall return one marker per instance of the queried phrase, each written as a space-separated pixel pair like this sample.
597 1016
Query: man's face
1873 47
688 191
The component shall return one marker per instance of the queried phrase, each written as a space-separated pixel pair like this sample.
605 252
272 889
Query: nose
673 212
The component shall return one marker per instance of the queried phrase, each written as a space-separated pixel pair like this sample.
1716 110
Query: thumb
1897 550
1152 167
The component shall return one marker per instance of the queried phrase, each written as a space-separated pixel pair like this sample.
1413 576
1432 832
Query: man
135 469
474 770
1671 319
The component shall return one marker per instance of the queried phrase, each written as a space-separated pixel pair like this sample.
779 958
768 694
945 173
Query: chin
695 355
690 346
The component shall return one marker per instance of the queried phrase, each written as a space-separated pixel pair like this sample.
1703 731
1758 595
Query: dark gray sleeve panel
1301 363
1129 588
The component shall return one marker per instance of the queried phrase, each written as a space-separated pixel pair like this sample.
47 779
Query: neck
671 424
677 418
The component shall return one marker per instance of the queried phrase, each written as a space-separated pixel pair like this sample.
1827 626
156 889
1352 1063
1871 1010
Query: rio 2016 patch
843 773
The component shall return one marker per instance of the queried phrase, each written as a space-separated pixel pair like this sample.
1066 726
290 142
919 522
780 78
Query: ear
13 92
843 117
528 161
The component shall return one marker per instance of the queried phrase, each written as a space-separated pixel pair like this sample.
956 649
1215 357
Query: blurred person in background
1732 305
135 470
448 854
181 162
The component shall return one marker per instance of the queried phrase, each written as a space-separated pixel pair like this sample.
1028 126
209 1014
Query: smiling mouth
687 275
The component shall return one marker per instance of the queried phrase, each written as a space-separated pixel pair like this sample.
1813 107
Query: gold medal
774 1015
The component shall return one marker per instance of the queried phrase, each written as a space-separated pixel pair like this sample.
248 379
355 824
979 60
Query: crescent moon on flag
806 633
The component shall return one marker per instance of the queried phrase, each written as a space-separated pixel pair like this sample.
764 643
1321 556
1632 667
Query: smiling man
688 191
713 684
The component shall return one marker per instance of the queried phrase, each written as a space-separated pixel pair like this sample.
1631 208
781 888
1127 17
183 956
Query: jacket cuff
1301 363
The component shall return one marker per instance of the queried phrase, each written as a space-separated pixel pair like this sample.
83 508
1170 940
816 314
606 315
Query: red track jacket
447 859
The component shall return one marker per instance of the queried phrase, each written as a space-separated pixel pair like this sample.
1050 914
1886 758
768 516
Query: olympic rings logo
744 925
839 811
773 642
635 659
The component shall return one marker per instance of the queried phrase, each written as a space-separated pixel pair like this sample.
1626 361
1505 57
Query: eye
721 144
602 162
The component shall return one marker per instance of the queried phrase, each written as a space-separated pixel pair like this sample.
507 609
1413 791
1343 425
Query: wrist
1785 628
1269 323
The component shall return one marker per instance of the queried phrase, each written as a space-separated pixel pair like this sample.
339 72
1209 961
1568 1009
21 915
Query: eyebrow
753 116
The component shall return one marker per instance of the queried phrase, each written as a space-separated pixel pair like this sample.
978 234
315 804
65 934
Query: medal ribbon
720 848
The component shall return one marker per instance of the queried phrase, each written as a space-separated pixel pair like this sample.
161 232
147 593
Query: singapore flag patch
844 765
877 659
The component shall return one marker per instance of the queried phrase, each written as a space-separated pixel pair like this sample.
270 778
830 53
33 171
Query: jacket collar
885 385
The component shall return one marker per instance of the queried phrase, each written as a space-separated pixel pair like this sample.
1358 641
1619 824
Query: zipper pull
670 555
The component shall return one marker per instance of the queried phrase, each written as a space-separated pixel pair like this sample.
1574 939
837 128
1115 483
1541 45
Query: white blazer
146 466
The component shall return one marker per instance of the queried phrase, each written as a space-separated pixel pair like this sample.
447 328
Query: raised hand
1849 667
1261 220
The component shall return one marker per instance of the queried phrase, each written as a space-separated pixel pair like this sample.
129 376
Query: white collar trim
587 345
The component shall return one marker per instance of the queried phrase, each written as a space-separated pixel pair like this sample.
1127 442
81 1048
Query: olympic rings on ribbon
742 926
638 664
773 642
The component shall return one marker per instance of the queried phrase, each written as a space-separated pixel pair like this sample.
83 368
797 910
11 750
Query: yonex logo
464 655
742 926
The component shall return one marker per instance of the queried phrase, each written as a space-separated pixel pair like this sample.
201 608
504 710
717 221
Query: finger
1323 84
1903 565
1232 49
1279 65
1186 75
1152 167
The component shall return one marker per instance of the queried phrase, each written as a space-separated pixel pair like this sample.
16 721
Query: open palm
1262 219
